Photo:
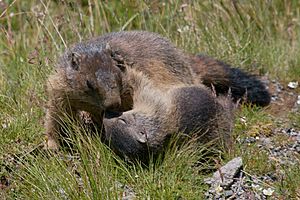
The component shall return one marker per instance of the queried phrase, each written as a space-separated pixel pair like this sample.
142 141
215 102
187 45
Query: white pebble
268 192
293 85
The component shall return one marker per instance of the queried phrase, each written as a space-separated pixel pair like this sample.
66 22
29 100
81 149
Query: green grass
258 36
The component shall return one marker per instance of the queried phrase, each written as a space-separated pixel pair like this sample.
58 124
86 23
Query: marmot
156 116
93 76
79 86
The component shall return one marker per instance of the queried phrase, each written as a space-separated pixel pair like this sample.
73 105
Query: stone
293 85
268 192
228 173
228 193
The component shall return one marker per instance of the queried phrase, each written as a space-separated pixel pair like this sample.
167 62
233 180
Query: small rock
298 100
250 140
274 98
292 132
228 172
266 141
218 189
256 186
268 192
293 85
228 193
279 87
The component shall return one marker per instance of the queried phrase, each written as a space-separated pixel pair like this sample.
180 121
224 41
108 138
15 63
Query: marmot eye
90 85
123 121
121 67
75 60
142 133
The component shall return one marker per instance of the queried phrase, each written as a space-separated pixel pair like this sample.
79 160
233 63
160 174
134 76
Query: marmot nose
112 114
113 102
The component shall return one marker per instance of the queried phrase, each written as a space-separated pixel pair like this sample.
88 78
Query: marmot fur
156 116
93 76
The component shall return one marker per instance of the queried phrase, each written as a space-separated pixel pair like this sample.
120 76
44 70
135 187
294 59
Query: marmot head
133 135
94 78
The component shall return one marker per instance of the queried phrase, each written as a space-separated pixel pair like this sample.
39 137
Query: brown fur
145 129
77 86
94 76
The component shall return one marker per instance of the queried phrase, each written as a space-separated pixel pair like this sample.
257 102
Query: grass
258 36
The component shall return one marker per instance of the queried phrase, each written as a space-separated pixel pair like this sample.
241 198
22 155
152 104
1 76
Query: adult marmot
93 76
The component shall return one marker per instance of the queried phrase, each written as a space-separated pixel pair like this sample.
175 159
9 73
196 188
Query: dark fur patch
225 78
197 108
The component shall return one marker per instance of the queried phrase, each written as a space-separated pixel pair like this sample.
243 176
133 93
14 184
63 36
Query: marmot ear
107 47
116 56
75 60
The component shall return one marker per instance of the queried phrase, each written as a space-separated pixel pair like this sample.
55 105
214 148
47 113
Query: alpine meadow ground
259 36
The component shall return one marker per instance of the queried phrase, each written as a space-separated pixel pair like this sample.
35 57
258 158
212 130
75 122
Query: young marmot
145 130
93 76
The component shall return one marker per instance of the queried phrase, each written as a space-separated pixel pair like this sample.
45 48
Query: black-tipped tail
225 78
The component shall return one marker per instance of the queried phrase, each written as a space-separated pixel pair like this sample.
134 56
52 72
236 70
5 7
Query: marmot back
148 52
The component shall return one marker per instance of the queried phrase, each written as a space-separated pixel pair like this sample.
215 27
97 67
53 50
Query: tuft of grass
178 175
295 119
253 121
288 185
257 161
92 171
